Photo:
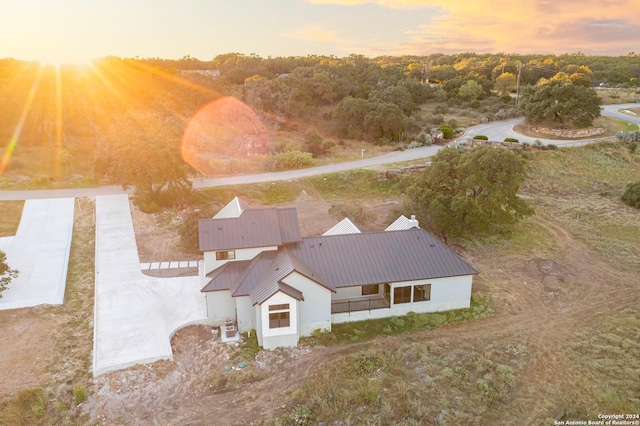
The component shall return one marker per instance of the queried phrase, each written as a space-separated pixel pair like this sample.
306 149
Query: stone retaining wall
564 133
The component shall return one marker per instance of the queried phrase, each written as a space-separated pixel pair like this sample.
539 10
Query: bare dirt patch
27 339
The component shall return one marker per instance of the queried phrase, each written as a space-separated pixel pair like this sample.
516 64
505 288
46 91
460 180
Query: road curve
499 130
495 130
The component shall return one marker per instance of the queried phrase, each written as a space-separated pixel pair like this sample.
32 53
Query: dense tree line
108 118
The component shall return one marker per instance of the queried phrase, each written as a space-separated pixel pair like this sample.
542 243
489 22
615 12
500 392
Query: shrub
288 160
481 137
512 140
437 119
442 108
631 195
633 147
447 131
414 144
79 394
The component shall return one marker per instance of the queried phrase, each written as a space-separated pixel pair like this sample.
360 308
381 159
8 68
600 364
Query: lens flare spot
222 130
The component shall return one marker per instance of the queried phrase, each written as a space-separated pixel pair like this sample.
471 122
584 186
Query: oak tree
470 193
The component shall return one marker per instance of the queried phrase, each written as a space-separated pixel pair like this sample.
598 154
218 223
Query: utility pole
518 85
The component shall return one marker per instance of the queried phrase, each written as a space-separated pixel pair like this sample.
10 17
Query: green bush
288 160
442 108
79 394
512 140
447 131
481 137
631 195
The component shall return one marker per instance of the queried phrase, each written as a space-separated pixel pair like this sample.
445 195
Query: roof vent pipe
413 222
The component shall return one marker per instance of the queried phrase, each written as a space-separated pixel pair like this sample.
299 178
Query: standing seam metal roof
253 228
380 257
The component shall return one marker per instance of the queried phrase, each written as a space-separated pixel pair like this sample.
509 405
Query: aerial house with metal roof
260 274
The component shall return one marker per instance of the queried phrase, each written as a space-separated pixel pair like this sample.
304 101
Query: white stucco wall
220 306
246 314
446 294
273 338
314 312
346 293
210 262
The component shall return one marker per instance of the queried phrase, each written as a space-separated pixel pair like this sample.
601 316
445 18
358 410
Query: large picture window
279 315
422 293
402 295
225 255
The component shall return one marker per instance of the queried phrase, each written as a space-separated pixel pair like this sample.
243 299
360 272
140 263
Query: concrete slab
183 264
193 264
145 266
164 265
155 265
135 315
40 251
174 265
5 242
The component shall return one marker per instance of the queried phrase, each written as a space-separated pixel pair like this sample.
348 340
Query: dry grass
11 214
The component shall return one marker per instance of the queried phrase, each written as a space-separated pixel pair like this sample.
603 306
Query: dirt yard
546 297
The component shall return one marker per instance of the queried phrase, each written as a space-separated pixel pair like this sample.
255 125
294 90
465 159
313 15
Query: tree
350 114
385 121
470 91
471 193
631 195
143 152
505 82
6 273
561 101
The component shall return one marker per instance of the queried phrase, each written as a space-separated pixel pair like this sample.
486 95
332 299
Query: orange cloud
526 26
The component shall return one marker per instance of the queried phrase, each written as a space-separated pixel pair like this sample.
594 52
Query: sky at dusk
78 30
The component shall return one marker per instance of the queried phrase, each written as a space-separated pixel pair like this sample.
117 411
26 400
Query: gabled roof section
224 277
233 209
283 265
379 257
345 226
252 228
402 223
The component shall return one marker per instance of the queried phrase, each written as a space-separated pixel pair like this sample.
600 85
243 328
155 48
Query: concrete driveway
135 315
40 251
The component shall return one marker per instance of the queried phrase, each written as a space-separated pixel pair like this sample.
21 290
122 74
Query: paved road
499 130
496 130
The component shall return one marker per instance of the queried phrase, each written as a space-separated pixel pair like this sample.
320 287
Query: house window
370 289
279 315
401 295
422 293
225 255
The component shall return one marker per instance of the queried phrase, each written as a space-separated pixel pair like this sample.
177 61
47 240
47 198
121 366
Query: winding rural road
496 130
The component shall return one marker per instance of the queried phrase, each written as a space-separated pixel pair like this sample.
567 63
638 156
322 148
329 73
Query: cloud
526 26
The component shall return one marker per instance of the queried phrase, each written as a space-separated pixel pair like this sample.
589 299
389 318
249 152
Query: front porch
356 304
